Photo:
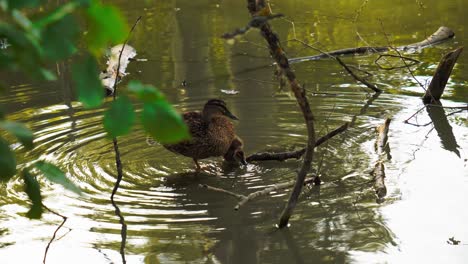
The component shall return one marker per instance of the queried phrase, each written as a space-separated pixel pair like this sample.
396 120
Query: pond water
170 219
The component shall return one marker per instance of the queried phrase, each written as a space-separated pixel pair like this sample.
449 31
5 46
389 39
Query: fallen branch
379 169
282 156
382 137
379 180
441 35
441 76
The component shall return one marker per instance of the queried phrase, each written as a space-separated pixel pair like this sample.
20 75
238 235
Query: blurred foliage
161 112
54 174
87 82
7 161
120 117
37 39
32 189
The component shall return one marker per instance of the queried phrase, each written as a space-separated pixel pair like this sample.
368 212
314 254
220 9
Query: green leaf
58 38
120 117
85 76
33 190
7 161
163 123
24 135
54 174
145 93
106 26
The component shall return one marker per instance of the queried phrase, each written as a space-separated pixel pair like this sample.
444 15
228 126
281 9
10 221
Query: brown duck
212 134
235 152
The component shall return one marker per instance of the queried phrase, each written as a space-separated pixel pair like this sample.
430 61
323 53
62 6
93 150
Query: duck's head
235 152
216 107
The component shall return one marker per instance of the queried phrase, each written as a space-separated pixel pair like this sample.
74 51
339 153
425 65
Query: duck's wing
195 123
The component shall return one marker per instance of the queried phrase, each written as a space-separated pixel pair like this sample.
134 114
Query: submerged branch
211 188
378 172
244 199
270 189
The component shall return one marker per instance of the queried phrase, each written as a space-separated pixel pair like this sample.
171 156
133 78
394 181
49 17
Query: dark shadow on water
443 128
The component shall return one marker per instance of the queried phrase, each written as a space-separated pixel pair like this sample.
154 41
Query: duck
235 153
212 134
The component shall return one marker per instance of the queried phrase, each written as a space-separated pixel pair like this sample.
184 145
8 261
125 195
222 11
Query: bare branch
442 34
55 232
355 76
441 75
358 78
118 161
279 56
211 188
281 156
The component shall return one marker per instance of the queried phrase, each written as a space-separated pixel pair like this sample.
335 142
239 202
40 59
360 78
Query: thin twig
401 56
358 78
118 161
55 232
414 61
355 76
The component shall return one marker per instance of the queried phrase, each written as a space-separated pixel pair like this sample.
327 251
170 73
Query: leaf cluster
38 39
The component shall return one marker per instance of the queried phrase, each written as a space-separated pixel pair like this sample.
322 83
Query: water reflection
171 219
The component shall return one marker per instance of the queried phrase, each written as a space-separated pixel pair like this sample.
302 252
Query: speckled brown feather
209 139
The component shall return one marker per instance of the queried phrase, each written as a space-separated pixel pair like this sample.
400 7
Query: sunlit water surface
171 219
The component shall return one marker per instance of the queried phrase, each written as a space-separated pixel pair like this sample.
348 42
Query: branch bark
279 56
442 34
379 169
441 76
297 154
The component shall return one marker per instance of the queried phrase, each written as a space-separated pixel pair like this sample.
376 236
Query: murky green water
171 220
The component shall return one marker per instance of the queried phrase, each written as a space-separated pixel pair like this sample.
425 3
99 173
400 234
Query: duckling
235 152
211 132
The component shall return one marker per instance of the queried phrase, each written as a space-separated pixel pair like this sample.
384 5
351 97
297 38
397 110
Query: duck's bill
230 115
241 157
